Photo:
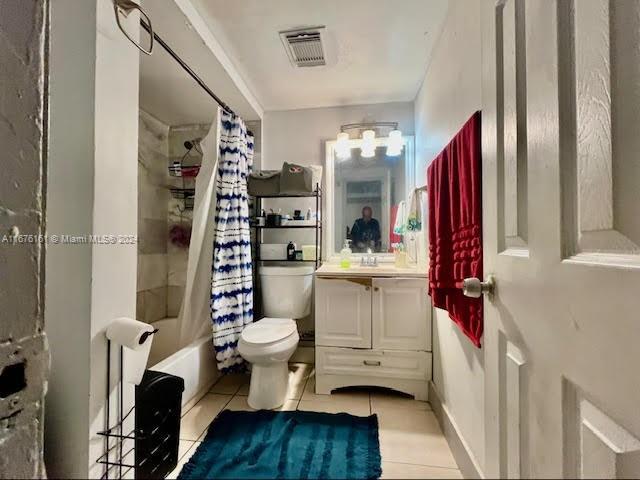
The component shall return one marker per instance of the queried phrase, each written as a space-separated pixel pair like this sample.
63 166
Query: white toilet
269 343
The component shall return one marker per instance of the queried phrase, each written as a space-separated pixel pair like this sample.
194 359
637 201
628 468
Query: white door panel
401 314
561 183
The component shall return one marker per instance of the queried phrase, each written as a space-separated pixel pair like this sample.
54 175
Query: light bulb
394 146
368 152
368 144
343 150
368 137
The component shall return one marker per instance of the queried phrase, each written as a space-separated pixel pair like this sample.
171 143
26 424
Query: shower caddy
184 170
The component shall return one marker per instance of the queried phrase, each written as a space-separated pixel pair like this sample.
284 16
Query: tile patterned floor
411 442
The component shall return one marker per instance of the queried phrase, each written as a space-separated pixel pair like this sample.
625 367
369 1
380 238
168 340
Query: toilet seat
268 330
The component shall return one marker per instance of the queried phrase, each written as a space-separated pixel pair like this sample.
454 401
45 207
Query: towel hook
126 7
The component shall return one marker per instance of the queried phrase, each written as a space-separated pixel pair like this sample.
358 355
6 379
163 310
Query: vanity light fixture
368 132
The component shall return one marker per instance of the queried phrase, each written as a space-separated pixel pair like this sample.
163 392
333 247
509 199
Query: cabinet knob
372 363
367 288
376 289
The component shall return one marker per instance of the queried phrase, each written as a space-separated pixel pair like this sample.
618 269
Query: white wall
298 136
92 189
115 205
449 95
69 202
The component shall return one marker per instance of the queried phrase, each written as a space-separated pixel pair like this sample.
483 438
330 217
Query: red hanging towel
455 227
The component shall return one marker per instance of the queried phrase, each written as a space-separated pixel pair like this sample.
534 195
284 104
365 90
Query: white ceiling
166 91
377 50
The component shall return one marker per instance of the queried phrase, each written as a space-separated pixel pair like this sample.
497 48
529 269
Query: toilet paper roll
129 333
137 338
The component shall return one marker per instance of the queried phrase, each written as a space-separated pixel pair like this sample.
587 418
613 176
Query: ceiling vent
304 46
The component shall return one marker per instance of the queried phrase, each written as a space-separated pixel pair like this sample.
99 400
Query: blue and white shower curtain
232 278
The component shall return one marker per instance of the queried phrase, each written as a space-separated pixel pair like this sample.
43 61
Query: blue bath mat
297 444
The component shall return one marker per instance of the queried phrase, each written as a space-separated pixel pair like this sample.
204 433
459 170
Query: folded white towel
414 212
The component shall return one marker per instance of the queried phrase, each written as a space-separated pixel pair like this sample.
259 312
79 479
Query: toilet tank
286 291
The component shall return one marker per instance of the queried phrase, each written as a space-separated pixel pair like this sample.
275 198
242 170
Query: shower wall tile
153 151
140 306
155 302
152 236
153 135
152 271
175 294
178 215
179 134
155 173
153 201
177 270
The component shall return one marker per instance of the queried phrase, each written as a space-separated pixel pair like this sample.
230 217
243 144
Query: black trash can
158 407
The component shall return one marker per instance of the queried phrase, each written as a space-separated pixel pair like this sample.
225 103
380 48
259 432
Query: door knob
474 287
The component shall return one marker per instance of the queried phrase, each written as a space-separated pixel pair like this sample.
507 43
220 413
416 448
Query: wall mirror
362 191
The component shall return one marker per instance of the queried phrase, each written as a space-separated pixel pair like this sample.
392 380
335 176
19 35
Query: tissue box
309 252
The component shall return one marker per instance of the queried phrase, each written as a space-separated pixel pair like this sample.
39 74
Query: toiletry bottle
345 255
291 251
309 214
400 256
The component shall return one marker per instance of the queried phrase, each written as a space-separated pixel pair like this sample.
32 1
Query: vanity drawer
374 363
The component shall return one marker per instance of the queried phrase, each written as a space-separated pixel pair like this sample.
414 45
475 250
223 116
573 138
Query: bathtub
195 363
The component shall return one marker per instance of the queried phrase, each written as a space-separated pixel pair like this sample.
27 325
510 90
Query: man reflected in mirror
365 232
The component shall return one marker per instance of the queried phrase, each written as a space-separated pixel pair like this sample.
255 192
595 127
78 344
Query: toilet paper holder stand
117 448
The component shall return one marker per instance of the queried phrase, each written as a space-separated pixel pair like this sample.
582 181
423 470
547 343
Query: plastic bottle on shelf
345 255
291 251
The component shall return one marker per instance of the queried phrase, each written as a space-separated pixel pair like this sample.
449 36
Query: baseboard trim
466 462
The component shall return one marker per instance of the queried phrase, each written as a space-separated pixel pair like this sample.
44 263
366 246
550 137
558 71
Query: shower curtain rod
185 66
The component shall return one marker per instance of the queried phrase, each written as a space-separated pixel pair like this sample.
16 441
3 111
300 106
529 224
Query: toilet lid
268 330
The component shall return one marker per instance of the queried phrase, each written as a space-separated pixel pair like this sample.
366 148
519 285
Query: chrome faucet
369 260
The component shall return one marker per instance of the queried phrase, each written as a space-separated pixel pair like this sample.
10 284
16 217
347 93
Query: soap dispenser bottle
345 255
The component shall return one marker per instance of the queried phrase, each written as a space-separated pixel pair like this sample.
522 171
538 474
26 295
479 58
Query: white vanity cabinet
372 330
